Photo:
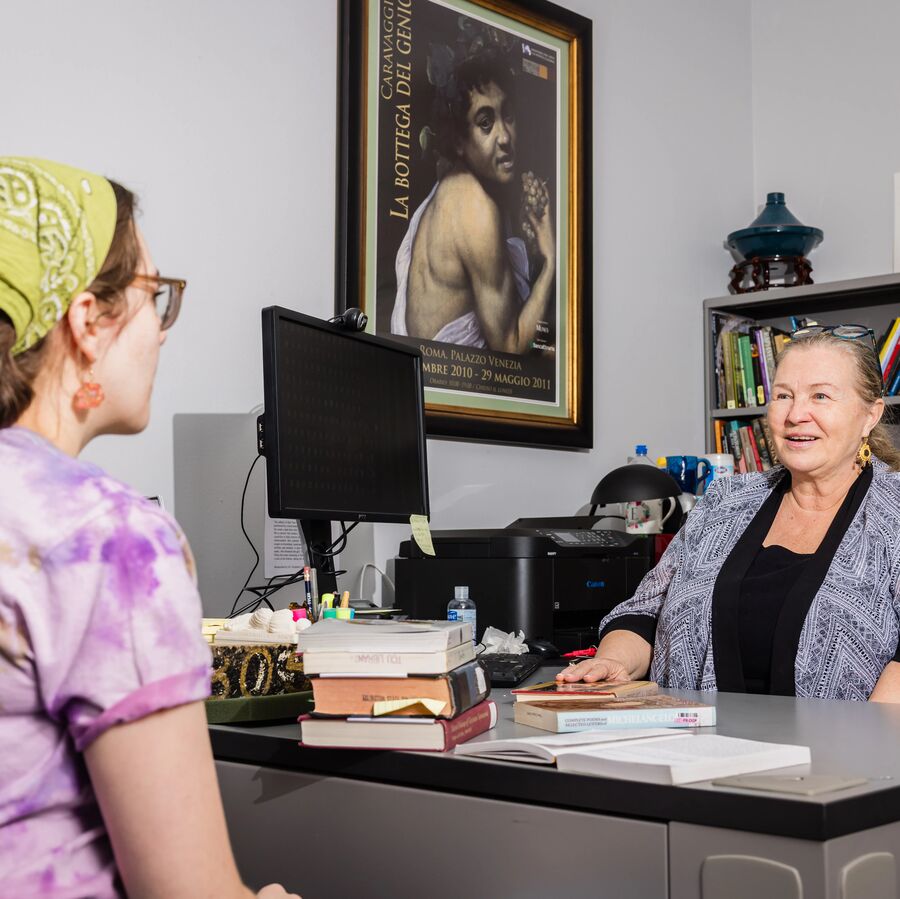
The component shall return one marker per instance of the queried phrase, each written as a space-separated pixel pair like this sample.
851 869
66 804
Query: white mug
721 465
646 516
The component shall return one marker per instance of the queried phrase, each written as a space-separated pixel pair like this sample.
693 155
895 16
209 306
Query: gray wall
826 128
221 114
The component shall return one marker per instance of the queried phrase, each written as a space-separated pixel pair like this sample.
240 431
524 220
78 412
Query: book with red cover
751 439
419 734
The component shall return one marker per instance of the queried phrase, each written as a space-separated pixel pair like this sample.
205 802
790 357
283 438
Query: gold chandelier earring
864 454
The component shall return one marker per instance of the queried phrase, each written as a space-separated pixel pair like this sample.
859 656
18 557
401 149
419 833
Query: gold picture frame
406 99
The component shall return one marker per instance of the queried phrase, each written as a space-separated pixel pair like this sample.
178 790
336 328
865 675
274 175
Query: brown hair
869 384
17 373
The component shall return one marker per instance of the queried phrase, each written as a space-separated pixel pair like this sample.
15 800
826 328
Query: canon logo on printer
594 585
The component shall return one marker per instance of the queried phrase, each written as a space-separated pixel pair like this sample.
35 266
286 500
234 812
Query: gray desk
371 824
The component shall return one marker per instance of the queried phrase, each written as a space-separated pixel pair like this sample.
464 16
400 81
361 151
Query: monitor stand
318 538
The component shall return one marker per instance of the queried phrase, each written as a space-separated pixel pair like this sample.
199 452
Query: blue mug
688 471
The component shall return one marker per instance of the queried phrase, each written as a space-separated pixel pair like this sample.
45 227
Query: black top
726 600
764 589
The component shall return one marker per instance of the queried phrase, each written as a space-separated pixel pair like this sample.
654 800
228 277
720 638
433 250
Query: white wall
826 128
221 114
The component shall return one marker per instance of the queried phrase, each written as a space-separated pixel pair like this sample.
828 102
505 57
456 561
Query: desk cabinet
336 838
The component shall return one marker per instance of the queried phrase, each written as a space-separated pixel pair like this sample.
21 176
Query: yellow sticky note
387 706
422 533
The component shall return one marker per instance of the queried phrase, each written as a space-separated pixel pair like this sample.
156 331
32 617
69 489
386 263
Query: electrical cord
362 575
263 592
247 537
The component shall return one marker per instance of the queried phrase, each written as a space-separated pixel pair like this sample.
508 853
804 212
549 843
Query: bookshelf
873 302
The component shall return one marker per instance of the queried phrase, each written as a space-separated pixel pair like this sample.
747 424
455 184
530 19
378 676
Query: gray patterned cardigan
839 626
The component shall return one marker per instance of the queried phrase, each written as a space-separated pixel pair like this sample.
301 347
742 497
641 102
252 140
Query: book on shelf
729 400
762 446
757 369
457 691
749 441
425 734
889 356
747 455
888 344
374 635
766 335
754 447
696 757
726 329
734 446
591 714
387 664
770 443
780 340
553 691
761 365
721 439
737 362
745 354
747 371
545 750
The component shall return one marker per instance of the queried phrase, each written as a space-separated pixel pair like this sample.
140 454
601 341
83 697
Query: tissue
495 640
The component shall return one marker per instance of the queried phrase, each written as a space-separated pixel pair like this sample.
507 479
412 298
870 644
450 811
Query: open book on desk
546 750
694 758
651 756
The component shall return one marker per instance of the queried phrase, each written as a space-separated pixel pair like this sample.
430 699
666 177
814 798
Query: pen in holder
307 587
314 587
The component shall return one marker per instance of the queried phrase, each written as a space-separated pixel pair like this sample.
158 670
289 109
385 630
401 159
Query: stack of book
394 685
566 708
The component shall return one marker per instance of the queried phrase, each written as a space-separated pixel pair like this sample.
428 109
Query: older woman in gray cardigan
784 582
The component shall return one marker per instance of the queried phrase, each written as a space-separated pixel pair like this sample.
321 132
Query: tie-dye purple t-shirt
99 625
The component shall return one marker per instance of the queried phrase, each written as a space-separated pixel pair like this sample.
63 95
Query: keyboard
507 669
585 537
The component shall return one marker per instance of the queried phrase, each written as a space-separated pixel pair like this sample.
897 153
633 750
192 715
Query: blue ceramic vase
774 232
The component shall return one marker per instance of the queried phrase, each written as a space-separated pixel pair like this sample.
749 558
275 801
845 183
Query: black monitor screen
344 427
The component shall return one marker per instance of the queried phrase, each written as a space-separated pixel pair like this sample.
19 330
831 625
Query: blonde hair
869 384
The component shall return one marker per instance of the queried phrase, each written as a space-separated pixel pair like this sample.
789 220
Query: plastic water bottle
640 456
462 608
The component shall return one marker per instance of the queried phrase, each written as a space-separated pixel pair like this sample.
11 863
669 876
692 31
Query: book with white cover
368 635
605 713
697 757
546 750
388 664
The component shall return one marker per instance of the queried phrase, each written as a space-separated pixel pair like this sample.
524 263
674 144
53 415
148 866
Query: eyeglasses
167 294
845 332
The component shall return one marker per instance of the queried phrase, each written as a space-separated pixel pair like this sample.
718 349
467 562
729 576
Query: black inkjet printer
553 578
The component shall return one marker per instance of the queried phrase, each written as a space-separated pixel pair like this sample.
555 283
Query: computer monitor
343 430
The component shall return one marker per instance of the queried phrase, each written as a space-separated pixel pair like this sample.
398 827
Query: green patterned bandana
56 226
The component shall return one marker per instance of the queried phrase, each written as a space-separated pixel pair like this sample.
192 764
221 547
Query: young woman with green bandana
107 783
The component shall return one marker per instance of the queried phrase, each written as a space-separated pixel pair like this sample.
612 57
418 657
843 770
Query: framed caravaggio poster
464 206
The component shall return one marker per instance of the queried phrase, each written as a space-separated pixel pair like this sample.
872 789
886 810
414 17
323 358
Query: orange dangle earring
89 395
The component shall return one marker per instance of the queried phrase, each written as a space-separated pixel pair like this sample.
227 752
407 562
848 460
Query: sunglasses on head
844 332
